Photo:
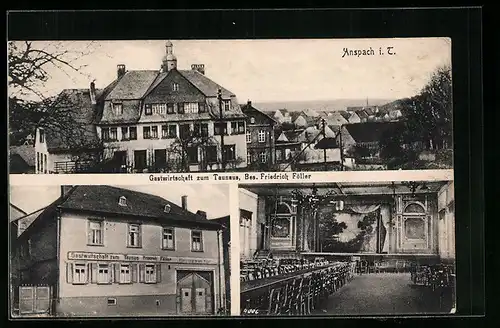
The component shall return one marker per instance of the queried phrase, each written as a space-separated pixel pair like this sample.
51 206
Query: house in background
282 116
259 138
22 159
286 143
108 251
76 146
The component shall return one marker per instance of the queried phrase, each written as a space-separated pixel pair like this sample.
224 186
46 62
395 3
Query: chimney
249 103
65 189
184 201
198 67
201 213
92 93
120 70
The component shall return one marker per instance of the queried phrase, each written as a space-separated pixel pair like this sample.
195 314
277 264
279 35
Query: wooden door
195 289
186 303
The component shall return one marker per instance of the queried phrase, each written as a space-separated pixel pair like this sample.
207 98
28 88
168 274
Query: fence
35 299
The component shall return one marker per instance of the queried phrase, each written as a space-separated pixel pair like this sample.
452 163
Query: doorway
140 160
195 292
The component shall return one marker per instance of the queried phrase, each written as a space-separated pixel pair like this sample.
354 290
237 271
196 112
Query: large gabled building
108 251
152 121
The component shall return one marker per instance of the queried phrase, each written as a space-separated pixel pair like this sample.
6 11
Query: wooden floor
385 294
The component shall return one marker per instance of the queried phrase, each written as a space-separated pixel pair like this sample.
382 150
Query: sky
214 199
271 70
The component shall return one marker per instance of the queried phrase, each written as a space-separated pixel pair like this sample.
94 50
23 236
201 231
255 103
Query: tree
30 65
426 123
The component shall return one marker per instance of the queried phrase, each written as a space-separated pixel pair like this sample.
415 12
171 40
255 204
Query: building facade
259 138
109 251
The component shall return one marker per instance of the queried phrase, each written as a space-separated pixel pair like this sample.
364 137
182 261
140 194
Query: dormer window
167 208
227 104
252 120
118 108
122 201
42 135
175 86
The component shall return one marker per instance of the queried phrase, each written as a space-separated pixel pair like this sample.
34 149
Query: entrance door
140 159
160 158
195 292
120 158
186 304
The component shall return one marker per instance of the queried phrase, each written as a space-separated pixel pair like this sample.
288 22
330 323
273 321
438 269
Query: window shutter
110 273
208 300
133 270
117 272
93 273
89 233
158 272
139 236
69 273
142 269
88 268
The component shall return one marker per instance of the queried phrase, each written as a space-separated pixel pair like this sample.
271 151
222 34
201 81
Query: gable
162 90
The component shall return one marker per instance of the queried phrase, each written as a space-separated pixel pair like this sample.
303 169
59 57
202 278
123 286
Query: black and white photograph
138 106
350 248
119 251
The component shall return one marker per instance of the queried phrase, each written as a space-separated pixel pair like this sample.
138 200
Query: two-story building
259 138
108 251
154 120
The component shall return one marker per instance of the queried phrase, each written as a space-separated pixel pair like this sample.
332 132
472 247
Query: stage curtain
364 209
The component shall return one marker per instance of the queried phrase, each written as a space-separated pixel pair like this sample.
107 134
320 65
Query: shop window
95 232
134 235
103 274
168 238
125 275
150 273
79 273
196 241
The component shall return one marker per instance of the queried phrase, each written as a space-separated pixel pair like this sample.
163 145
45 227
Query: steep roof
248 108
208 87
75 103
133 85
361 113
104 199
370 131
26 152
335 118
345 114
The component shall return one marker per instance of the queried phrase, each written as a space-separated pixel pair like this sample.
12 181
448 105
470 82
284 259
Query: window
95 232
241 127
164 131
191 108
103 274
154 132
204 129
162 109
125 276
201 107
234 127
249 137
175 86
196 241
113 134
118 109
184 131
146 132
263 157
229 152
147 109
197 129
111 301
168 238
38 161
192 153
252 120
150 274
45 163
211 154
42 135
170 108
133 133
172 131
105 134
227 104
262 136
220 127
122 201
249 158
125 135
180 108
79 273
134 235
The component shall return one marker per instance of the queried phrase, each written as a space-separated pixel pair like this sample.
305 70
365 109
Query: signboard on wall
137 258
